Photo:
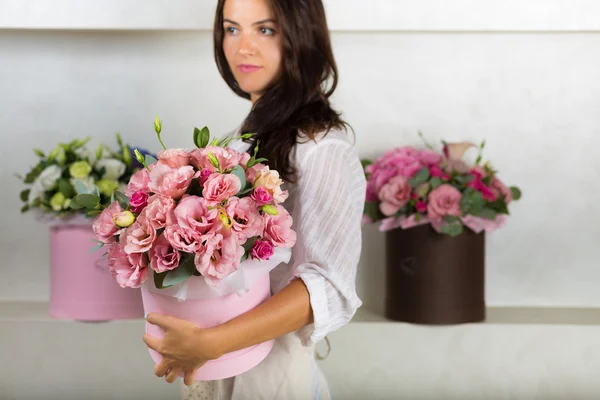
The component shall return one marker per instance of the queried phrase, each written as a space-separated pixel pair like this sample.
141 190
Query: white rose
45 181
113 169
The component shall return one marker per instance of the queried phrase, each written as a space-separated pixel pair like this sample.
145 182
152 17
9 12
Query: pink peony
163 257
138 182
192 214
138 201
183 239
170 182
174 158
204 175
246 220
228 158
262 250
444 200
278 228
261 196
104 227
252 171
159 210
220 187
129 270
139 237
394 195
219 257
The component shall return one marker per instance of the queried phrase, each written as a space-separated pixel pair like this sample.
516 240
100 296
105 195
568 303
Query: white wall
532 96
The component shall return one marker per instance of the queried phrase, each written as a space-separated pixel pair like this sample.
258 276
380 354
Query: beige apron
288 373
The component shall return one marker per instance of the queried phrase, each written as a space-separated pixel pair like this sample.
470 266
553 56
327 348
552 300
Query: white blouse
326 203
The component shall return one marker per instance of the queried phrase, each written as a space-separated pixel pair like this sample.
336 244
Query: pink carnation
138 182
246 220
444 200
278 228
129 270
174 158
104 227
192 214
218 258
220 187
394 195
159 210
139 237
182 239
163 257
228 158
170 182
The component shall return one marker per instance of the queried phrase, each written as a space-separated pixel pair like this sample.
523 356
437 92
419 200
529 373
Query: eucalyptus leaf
464 179
122 199
250 243
435 182
244 257
150 160
97 247
81 188
241 174
515 192
66 188
185 270
421 177
89 201
94 213
73 204
487 214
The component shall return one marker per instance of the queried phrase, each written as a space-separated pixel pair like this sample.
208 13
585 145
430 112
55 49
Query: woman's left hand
184 348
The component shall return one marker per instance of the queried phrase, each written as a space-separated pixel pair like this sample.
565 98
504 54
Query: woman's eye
267 31
231 30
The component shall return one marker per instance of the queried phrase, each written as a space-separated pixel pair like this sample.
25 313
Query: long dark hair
297 105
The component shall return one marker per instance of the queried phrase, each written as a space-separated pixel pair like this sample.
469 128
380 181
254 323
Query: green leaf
73 204
25 195
201 137
112 197
499 206
214 142
245 191
244 257
150 160
39 153
464 179
250 243
185 270
89 201
372 211
159 279
94 213
452 226
365 163
471 202
122 199
435 182
515 192
65 187
80 188
241 174
25 208
421 177
97 247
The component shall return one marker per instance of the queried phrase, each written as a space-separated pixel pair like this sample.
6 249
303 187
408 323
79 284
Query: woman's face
252 44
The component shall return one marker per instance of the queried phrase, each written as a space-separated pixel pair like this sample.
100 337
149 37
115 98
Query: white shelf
343 15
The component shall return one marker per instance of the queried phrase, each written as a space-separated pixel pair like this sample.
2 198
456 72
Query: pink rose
159 210
129 270
192 214
104 227
138 182
421 206
262 250
219 257
269 179
394 195
220 187
228 158
139 237
204 175
278 228
163 257
246 220
182 239
261 196
170 182
500 190
174 158
444 200
252 171
138 201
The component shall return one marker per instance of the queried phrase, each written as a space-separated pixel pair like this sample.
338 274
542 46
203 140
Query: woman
278 55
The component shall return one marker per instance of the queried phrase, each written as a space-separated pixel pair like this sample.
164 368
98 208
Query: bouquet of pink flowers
199 212
407 187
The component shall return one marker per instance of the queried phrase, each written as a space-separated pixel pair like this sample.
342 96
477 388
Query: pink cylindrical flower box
209 306
81 287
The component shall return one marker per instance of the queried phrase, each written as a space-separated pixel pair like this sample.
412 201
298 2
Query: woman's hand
185 347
